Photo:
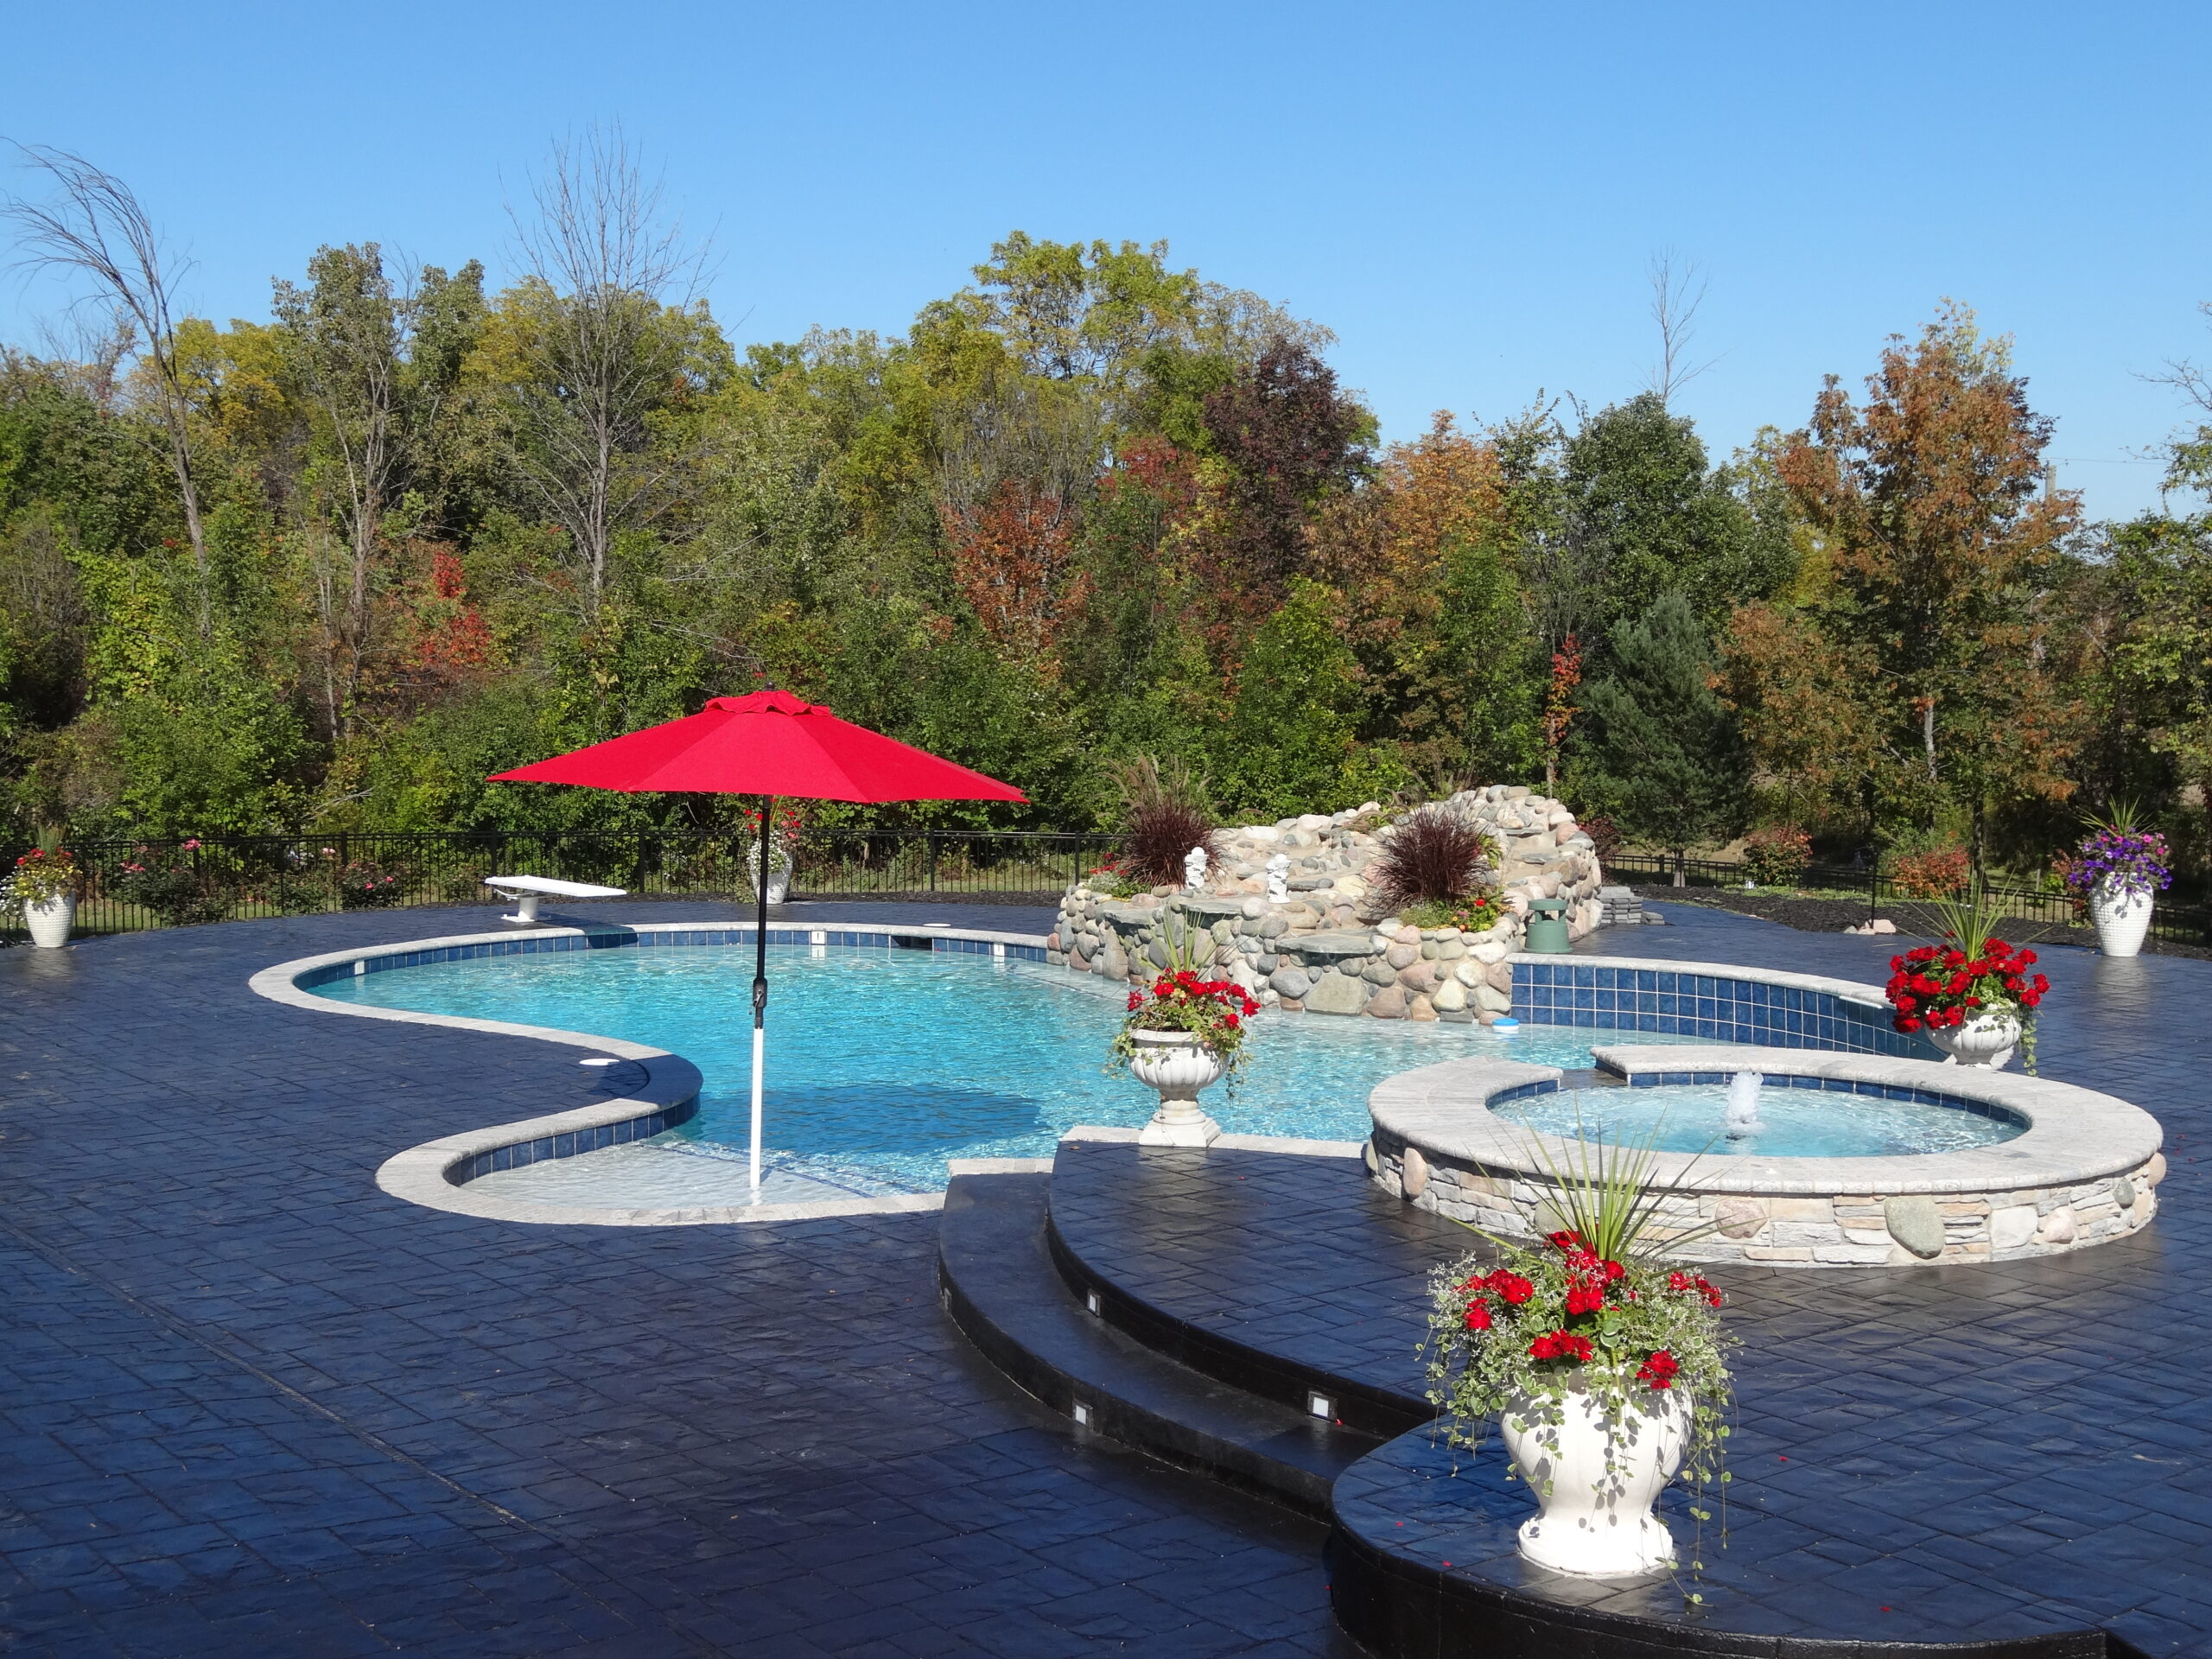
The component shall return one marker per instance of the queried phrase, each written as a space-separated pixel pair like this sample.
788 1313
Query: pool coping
423 1174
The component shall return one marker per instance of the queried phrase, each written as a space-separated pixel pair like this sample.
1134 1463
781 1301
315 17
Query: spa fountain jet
1743 1118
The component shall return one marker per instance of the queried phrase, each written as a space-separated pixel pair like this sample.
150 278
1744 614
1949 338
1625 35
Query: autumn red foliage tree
1919 661
1290 438
1012 560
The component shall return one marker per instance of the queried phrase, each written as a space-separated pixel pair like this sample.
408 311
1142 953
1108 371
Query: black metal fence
134 885
2051 914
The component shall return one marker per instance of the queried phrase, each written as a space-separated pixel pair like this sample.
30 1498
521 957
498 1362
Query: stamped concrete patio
252 1401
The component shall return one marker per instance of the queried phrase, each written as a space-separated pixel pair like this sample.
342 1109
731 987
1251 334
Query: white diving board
527 891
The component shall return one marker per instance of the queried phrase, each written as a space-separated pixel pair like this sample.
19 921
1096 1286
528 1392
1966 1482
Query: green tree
1659 750
1289 745
1656 518
1489 664
598 367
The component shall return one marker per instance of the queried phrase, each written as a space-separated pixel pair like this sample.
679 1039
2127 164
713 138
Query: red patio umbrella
768 744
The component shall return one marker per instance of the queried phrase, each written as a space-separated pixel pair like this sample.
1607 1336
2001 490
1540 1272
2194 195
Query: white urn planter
50 919
1596 1491
1986 1042
779 873
1177 1064
2122 913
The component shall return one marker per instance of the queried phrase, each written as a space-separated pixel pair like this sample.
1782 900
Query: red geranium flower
1660 1370
1561 1344
1512 1287
1478 1316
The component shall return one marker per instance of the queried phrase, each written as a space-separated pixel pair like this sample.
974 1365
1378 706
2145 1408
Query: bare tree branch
610 348
1677 291
95 228
347 331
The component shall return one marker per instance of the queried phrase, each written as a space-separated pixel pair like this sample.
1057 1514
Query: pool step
1002 1288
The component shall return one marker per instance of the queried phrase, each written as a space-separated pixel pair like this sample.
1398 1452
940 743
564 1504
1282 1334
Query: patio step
1000 1283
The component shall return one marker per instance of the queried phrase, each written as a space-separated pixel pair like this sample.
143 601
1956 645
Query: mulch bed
1833 915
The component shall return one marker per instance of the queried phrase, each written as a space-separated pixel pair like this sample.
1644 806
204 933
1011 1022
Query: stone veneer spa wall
2084 1170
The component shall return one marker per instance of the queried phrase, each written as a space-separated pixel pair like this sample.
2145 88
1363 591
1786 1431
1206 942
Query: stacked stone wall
1328 945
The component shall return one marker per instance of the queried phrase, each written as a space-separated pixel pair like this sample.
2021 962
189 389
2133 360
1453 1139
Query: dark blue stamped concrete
248 1403
2002 1454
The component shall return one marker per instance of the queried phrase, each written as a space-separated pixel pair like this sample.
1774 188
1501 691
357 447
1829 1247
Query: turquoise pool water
883 1064
1793 1123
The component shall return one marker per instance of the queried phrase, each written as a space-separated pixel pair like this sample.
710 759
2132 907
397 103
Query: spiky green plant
1604 1191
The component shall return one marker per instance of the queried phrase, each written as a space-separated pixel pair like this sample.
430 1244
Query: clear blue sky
1468 194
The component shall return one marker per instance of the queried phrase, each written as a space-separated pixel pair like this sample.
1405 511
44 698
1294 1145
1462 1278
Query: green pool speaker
1548 927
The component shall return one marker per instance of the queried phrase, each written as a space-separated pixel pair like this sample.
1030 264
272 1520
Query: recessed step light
1320 1405
1082 1415
1091 1301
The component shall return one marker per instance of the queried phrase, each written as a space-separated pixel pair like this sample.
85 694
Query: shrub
1433 853
1777 856
1112 879
1929 873
1476 914
365 884
1165 814
1605 835
171 885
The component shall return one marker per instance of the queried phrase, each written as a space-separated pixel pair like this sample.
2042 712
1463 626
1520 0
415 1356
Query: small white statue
1279 878
1194 869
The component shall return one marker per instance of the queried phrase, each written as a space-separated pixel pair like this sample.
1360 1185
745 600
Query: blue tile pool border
1743 1008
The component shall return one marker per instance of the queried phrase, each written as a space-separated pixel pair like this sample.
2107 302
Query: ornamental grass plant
1165 814
1432 856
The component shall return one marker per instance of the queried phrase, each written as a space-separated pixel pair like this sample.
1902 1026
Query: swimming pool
883 1064
1791 1122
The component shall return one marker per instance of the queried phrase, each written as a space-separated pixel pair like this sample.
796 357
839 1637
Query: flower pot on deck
1178 1066
50 919
2122 913
1596 1474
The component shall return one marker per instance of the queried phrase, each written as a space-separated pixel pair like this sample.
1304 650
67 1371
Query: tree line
327 569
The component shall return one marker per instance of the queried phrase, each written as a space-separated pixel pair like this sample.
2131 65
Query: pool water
1795 1123
882 1065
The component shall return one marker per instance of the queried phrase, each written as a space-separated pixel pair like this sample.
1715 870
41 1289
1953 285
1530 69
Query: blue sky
1469 195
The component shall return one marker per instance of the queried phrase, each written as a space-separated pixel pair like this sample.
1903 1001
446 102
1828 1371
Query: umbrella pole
761 975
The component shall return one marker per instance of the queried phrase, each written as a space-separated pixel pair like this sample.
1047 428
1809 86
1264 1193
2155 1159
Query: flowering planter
2121 911
1987 1041
1178 1066
50 919
1596 1473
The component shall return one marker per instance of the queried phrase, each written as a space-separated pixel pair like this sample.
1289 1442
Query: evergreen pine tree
1660 753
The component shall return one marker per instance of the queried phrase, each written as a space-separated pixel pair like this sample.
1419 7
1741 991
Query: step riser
1358 1407
1132 1426
1399 1609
